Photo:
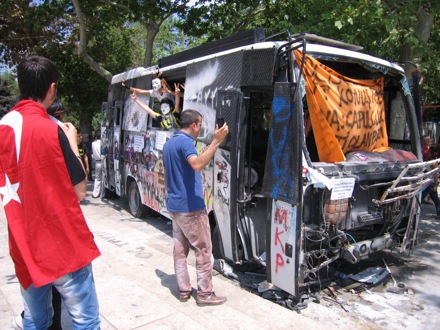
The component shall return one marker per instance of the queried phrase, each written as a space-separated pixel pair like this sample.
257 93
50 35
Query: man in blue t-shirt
187 207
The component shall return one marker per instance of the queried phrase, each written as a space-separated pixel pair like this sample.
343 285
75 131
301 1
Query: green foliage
171 40
96 123
137 53
28 26
395 30
130 33
218 19
8 98
81 89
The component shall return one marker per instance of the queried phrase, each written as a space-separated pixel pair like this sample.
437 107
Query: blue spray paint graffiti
279 182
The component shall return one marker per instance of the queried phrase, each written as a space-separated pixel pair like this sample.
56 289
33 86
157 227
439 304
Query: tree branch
82 49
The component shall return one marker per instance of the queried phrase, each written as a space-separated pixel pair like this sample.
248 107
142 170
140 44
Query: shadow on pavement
168 281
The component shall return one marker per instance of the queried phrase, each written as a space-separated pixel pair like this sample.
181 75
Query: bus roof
313 49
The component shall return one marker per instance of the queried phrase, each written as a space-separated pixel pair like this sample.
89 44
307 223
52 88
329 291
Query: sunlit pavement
137 289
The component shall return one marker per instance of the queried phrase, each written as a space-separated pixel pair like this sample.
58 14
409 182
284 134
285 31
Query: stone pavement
137 288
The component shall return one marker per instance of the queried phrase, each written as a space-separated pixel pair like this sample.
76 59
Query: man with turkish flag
41 183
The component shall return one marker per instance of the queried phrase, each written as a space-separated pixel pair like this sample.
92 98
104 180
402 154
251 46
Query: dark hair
168 101
35 74
98 136
56 109
189 117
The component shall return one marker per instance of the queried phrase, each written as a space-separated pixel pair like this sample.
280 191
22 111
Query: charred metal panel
258 67
241 39
203 82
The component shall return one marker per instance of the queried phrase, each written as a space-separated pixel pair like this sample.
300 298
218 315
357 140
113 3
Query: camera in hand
220 122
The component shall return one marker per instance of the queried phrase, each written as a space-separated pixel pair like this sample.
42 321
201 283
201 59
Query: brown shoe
211 300
184 296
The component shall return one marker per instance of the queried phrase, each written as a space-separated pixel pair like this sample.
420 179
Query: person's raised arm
86 161
71 133
136 90
140 91
199 162
177 97
165 88
143 106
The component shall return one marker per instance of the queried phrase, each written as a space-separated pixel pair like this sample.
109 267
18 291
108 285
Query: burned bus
322 163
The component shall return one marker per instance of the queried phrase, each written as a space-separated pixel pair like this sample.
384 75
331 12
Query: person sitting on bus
169 114
160 89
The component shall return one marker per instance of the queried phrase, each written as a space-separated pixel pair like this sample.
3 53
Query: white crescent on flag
14 120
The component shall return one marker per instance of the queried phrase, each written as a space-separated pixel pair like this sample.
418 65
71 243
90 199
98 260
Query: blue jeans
78 293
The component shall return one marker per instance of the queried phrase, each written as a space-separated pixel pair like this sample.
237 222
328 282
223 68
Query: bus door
107 146
115 164
104 143
252 204
283 184
225 172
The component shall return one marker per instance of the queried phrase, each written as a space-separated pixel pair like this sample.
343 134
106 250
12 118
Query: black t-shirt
74 166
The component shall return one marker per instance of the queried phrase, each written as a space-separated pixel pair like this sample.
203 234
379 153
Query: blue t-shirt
184 185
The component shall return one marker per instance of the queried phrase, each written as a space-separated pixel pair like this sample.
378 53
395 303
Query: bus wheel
217 244
137 209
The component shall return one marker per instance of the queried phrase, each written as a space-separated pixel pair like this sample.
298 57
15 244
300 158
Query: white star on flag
9 191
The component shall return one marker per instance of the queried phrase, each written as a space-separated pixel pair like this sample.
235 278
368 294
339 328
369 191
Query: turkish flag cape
48 234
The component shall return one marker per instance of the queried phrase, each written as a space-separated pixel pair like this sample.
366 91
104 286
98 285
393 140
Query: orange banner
346 114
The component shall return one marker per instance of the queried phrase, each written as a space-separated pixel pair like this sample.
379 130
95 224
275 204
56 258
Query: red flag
48 234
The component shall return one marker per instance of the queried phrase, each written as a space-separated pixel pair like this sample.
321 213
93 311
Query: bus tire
137 209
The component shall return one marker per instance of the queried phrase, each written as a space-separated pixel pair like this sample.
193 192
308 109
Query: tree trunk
85 123
82 49
423 29
153 30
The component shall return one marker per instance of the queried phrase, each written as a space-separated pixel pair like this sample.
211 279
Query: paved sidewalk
137 288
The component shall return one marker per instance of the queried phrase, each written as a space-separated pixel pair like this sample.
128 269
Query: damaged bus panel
323 161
